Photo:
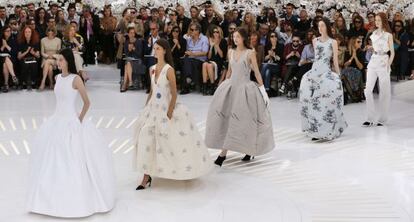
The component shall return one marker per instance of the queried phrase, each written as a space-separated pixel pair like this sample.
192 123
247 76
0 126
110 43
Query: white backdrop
329 6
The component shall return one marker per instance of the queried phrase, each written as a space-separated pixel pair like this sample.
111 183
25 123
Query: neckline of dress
155 73
320 40
234 57
61 75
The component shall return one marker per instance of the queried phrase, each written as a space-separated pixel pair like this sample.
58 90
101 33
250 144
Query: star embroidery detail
188 168
184 150
182 133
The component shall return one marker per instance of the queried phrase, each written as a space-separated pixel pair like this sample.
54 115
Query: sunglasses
176 31
358 22
272 36
133 12
295 41
193 30
173 15
231 28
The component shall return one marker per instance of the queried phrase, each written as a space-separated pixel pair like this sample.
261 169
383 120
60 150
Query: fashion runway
366 175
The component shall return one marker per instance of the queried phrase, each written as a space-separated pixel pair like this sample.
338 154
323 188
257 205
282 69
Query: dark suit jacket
95 27
148 48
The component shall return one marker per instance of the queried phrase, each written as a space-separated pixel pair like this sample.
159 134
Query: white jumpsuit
378 68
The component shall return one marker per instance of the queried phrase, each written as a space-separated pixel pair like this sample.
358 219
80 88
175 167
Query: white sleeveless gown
71 170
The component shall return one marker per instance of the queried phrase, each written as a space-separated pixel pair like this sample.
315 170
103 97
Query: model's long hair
328 27
168 55
245 35
384 21
70 59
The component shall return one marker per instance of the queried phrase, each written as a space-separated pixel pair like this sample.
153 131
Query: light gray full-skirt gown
238 118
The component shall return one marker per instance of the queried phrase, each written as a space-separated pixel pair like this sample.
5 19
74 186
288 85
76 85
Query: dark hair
194 7
370 13
106 7
290 4
3 30
176 27
268 41
319 11
71 6
37 13
394 23
273 19
328 27
168 55
358 17
245 35
70 59
154 10
129 29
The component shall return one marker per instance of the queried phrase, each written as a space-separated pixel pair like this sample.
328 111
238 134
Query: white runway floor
366 175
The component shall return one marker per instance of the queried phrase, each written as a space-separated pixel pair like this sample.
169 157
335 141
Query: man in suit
89 29
150 40
3 17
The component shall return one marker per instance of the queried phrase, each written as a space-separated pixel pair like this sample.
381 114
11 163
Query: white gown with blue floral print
321 97
168 148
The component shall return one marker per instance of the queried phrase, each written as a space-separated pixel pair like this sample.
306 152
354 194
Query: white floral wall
329 6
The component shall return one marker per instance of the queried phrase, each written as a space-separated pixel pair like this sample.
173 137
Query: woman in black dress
178 46
216 58
8 55
28 55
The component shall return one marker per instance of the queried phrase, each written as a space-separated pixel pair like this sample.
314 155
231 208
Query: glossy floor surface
366 175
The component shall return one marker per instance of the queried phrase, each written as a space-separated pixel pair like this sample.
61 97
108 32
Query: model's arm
78 85
173 90
391 47
255 68
335 56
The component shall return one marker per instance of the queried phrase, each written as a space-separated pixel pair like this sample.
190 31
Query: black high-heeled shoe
366 123
140 187
219 161
247 158
15 80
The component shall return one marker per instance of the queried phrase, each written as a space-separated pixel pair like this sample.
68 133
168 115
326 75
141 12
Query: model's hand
169 114
264 95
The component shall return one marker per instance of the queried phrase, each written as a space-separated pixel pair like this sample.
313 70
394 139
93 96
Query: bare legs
8 70
127 77
47 73
208 73
147 180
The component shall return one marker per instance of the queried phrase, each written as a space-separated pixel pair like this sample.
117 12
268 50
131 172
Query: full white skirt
71 170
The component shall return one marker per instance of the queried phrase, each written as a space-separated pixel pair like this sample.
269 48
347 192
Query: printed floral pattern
321 97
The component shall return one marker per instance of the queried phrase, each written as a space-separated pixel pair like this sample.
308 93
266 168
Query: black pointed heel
219 161
247 158
140 187
367 124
